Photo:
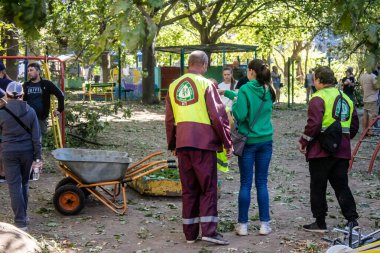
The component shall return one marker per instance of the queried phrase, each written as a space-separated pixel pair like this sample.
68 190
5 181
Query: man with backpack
329 156
21 149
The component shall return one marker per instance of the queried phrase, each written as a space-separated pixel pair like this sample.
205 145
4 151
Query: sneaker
2 179
24 228
241 229
190 241
314 227
31 178
265 228
217 239
353 224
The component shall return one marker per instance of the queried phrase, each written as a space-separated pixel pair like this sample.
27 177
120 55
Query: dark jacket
48 88
14 137
3 85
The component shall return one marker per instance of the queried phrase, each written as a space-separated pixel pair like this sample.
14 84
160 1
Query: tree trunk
148 64
205 39
106 66
12 50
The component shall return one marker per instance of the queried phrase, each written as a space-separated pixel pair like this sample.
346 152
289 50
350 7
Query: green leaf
345 21
372 34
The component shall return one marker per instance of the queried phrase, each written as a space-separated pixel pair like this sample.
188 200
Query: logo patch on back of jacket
186 92
345 110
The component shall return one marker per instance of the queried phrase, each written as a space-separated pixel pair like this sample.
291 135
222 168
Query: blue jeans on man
258 155
17 170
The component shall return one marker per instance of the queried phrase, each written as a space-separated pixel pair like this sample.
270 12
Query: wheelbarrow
89 172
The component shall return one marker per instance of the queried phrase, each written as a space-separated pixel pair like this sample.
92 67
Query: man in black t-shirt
348 83
237 72
37 93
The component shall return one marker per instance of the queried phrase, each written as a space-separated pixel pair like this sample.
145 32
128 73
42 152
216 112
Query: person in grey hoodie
21 149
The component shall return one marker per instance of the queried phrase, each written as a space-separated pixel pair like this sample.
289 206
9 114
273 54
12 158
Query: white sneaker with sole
241 229
265 228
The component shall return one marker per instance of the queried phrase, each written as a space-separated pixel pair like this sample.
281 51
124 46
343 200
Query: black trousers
333 170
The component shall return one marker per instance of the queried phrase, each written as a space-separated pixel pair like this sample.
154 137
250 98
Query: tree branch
170 5
148 18
179 17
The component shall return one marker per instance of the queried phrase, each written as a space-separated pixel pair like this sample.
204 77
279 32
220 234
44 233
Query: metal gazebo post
119 73
289 82
224 56
292 83
182 61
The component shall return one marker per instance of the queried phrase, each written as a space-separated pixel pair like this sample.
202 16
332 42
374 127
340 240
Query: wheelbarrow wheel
69 199
69 180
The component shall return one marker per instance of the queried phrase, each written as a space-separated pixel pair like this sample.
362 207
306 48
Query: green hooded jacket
245 108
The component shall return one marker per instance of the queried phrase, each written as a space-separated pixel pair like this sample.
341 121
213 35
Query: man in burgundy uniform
196 128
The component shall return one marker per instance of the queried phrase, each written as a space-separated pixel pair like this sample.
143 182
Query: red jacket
313 128
196 135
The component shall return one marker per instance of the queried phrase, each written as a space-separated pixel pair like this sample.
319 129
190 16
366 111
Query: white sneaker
24 228
265 228
241 229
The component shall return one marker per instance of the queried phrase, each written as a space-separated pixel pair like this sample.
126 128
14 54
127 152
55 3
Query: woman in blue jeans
254 104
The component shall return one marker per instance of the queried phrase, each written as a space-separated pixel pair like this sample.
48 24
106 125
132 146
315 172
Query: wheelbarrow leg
110 203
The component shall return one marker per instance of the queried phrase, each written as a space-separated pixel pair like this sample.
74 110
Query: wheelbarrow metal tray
94 166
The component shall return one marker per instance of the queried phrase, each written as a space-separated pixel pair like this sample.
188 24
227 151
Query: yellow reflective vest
329 95
188 101
222 161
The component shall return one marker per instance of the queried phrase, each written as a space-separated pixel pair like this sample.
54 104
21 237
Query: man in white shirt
370 97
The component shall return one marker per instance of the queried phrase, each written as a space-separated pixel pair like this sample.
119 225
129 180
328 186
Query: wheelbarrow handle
171 161
172 166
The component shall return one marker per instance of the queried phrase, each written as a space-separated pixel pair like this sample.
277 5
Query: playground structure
364 139
131 83
88 171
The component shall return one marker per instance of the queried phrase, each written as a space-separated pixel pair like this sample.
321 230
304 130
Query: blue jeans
17 170
258 155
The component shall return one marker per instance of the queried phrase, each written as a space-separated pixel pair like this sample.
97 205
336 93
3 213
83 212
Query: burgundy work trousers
197 169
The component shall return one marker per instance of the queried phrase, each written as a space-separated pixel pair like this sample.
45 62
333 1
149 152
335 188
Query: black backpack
331 138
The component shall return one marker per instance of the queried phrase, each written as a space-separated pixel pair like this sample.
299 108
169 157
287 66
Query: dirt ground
153 224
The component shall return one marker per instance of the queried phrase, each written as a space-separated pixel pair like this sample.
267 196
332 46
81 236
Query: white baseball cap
14 89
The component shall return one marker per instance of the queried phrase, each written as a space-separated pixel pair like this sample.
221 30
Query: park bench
99 89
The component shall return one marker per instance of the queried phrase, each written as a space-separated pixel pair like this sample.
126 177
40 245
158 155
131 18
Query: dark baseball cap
2 67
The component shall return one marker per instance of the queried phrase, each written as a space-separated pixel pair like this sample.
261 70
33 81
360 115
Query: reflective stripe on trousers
201 219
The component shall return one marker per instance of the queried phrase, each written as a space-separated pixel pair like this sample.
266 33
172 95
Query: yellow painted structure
160 187
157 186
